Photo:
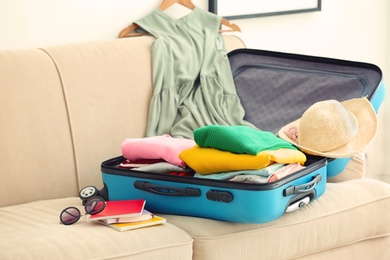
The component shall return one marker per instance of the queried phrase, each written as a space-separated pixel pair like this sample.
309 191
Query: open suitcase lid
276 88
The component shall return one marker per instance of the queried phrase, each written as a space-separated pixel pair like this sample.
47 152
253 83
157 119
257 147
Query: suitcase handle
166 190
303 188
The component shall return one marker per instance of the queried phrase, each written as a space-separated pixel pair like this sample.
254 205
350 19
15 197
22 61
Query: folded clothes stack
236 153
241 153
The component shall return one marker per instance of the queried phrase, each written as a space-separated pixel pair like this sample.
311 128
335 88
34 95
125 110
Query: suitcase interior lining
287 84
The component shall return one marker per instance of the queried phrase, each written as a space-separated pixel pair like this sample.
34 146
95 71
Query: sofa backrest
65 109
107 87
36 149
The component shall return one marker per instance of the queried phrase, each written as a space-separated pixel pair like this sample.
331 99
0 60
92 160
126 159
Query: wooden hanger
227 23
129 30
168 3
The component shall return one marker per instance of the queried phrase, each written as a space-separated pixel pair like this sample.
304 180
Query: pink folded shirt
163 147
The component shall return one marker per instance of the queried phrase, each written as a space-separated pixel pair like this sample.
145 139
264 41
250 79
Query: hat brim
367 121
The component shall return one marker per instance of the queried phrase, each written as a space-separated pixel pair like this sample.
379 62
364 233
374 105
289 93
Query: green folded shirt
238 139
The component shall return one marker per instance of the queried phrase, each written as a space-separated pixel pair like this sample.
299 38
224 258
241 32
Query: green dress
192 80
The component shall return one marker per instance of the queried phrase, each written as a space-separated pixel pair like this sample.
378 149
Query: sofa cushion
33 231
347 213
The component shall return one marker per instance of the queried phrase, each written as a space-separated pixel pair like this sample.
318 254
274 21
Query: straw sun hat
333 129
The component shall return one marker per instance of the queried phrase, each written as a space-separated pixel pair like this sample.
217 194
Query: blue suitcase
275 88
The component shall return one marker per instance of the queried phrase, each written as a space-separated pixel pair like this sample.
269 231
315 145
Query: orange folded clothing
210 160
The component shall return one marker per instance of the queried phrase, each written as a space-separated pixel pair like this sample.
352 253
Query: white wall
40 23
346 29
351 29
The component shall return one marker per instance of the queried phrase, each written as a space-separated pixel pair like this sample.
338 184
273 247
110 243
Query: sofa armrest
355 169
233 42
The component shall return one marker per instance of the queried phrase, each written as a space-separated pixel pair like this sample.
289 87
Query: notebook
119 209
156 220
146 215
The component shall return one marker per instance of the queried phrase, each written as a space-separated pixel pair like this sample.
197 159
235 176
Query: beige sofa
66 109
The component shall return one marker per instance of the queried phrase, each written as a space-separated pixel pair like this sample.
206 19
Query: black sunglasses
93 206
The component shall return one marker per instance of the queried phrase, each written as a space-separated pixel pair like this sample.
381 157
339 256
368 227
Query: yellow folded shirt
210 160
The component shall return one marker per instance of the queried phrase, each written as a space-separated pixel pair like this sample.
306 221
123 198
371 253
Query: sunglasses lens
70 216
95 205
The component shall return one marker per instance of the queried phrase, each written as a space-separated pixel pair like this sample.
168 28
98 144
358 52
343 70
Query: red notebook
119 209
